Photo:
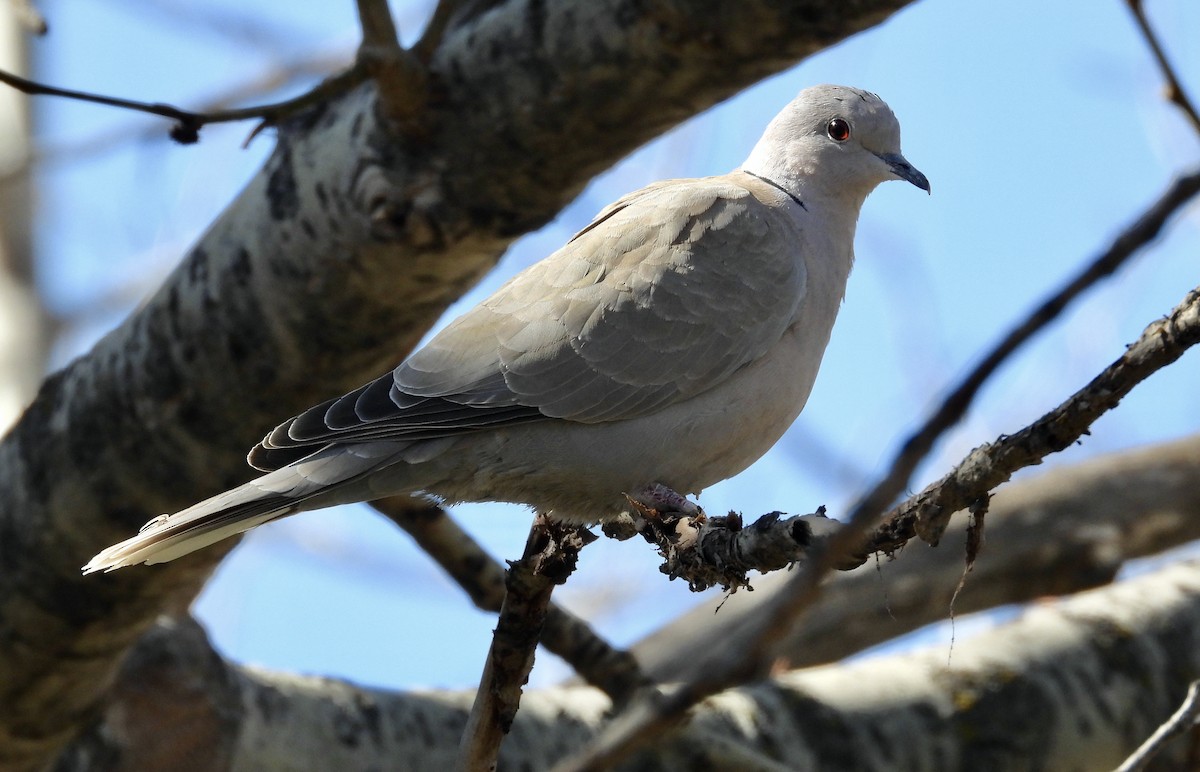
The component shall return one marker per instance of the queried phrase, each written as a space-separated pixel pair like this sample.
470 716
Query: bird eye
838 130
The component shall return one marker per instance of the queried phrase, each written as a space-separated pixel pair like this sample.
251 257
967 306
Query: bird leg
661 499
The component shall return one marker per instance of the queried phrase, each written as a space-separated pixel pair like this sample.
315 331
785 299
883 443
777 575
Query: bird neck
800 181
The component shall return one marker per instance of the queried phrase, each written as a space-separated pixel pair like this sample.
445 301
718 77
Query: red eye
838 130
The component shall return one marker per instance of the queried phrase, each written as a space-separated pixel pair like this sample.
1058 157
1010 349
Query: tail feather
272 496
171 536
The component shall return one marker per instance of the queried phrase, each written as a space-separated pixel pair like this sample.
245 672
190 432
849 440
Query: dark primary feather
377 411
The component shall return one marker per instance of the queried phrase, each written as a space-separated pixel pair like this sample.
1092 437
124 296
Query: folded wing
665 295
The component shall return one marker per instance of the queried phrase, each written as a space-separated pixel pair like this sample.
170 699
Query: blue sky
1042 131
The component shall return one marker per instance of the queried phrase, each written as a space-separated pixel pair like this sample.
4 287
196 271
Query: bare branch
1175 92
1065 530
378 29
927 513
178 706
188 124
271 80
612 670
551 553
1180 721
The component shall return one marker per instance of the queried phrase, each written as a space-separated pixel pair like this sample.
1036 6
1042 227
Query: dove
667 346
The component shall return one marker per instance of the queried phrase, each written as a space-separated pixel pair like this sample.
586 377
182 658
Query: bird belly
581 472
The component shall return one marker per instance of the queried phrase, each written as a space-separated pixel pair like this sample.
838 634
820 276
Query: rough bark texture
1098 673
1061 532
322 273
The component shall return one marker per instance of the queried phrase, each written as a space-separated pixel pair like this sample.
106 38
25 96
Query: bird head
833 141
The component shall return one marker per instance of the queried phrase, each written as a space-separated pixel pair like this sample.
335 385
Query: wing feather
664 295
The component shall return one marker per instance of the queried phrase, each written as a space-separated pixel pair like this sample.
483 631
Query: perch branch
721 551
614 671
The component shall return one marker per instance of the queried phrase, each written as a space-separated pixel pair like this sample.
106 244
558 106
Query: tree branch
187 123
721 551
1081 662
1066 530
551 554
612 670
137 130
1175 92
401 81
990 465
401 78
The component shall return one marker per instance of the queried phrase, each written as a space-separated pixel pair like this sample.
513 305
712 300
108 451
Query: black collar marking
777 186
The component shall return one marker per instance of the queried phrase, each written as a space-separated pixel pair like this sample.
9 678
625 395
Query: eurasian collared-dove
670 342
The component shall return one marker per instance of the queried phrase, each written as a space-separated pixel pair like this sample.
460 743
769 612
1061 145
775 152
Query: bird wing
663 296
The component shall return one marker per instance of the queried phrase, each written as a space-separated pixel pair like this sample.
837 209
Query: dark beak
904 170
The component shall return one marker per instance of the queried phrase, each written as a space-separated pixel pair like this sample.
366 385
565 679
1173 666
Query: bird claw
659 498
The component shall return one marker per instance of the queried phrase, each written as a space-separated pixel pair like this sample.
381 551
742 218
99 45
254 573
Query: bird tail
276 494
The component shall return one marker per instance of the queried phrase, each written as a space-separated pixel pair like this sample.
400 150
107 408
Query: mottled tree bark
1071 685
326 270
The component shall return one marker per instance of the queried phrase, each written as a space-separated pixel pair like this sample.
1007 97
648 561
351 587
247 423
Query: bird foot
659 498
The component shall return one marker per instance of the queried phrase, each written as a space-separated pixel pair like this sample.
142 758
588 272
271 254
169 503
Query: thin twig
1180 721
1175 91
141 129
188 123
926 514
551 553
402 85
614 671
378 29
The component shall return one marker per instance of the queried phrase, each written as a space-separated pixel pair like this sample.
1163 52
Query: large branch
325 271
1073 685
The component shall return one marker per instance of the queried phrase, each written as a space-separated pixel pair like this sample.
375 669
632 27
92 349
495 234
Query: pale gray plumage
671 341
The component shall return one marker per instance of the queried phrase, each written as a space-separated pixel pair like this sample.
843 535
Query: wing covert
666 294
